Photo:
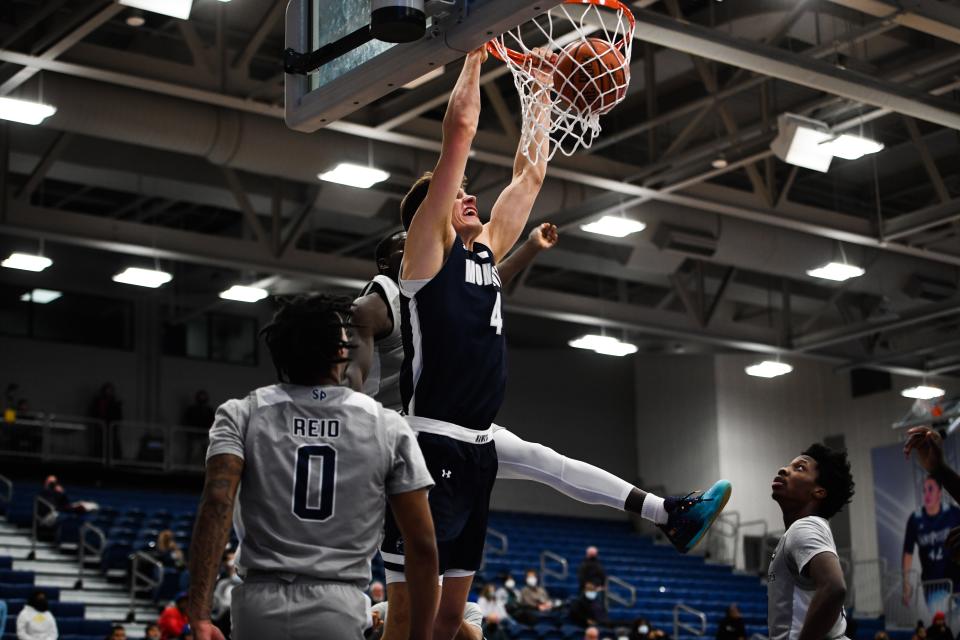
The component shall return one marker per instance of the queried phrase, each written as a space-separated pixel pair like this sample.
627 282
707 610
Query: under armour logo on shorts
446 474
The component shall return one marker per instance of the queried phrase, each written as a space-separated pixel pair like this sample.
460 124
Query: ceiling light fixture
354 175
151 278
173 8
136 18
851 147
606 345
720 162
40 296
800 141
614 226
27 262
922 392
25 111
837 271
241 293
768 369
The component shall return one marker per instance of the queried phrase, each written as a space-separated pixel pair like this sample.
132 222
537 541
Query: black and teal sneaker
689 517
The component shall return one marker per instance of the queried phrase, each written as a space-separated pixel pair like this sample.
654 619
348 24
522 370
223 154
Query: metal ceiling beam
151 241
928 163
909 224
938 19
938 345
926 313
243 202
266 24
75 36
46 10
763 59
52 154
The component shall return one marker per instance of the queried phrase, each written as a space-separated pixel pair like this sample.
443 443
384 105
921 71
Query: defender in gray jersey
310 466
805 586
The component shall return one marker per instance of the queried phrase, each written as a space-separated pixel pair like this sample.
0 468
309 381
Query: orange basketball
591 76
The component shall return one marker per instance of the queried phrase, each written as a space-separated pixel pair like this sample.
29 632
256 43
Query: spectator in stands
881 635
200 413
591 633
509 596
731 627
376 592
490 605
589 608
167 551
117 633
152 632
591 569
35 621
640 629
223 595
939 629
494 629
105 406
173 620
920 631
533 598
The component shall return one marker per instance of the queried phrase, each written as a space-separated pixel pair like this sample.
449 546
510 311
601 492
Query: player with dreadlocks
316 461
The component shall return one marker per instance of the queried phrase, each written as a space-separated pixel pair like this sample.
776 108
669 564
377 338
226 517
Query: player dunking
316 461
805 586
453 375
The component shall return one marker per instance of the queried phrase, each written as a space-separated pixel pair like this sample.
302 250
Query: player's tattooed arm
827 602
543 236
212 530
928 445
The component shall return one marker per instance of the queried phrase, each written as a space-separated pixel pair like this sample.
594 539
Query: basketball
591 76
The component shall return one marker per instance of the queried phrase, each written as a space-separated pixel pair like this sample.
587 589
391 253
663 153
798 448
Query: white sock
653 510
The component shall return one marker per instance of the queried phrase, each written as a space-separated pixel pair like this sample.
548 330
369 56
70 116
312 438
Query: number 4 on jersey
496 320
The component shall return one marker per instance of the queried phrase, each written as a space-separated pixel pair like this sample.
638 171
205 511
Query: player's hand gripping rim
929 447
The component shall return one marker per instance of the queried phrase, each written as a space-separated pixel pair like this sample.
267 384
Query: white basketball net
557 114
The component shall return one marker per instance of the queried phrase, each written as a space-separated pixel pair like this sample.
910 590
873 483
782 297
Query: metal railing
546 570
65 438
721 545
6 496
35 524
85 548
677 624
764 556
488 548
140 581
614 597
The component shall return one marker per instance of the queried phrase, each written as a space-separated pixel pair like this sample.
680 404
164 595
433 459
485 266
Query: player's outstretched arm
371 320
210 537
928 446
827 602
430 232
412 513
542 237
512 209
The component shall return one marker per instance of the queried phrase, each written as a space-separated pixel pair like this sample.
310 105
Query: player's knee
448 623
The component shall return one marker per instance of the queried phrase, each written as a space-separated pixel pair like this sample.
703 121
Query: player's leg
397 625
449 624
692 515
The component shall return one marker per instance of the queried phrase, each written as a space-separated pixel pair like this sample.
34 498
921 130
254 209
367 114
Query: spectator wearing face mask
509 596
591 569
533 597
731 627
640 629
376 592
35 621
489 604
589 608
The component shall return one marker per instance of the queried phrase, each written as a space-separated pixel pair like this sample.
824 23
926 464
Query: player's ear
819 492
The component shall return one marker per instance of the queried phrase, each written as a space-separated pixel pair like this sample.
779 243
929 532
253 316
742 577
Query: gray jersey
789 591
318 465
383 381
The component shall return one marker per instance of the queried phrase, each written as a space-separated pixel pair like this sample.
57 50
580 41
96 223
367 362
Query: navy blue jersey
930 534
454 348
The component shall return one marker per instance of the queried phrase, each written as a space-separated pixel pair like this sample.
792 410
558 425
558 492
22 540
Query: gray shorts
302 610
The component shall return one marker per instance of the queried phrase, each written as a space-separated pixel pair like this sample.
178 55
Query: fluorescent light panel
354 175
173 8
240 293
768 369
837 271
606 345
151 278
25 111
922 392
614 226
27 262
40 296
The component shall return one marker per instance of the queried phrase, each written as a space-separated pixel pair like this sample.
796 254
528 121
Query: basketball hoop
592 41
